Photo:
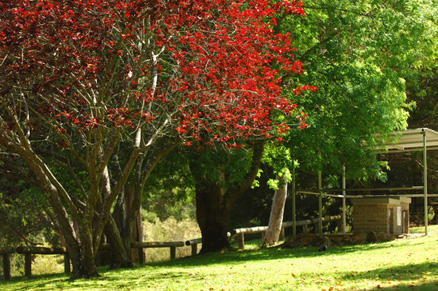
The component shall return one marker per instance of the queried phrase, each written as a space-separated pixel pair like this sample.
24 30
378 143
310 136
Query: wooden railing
172 245
240 232
6 252
194 244
28 252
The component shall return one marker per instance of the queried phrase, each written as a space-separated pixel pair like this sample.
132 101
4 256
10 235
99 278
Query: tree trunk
213 202
84 266
82 253
276 218
128 223
79 240
211 214
120 252
137 255
134 224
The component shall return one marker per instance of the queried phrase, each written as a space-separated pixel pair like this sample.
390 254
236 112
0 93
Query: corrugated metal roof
412 140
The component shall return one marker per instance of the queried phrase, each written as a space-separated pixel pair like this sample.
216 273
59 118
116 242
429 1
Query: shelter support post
320 202
294 209
426 214
344 202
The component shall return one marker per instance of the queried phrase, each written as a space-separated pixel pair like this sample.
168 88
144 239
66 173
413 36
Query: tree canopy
359 55
82 81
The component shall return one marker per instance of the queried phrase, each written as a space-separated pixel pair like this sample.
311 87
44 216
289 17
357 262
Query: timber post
67 268
29 251
141 256
294 208
194 244
305 229
240 234
194 249
319 228
7 266
172 253
241 240
426 214
172 245
6 254
27 264
344 202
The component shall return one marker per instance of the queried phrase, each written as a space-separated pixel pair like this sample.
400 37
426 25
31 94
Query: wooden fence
240 232
28 252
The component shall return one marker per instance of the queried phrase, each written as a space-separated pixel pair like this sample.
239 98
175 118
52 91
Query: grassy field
405 264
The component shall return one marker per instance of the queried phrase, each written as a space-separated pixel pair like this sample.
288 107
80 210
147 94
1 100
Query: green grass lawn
406 264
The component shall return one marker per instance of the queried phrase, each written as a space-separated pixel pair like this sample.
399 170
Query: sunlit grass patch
409 264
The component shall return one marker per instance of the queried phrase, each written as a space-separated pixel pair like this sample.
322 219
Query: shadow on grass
407 277
412 287
34 281
410 272
233 257
40 281
115 278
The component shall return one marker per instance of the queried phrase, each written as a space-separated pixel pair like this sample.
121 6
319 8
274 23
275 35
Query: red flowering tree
82 80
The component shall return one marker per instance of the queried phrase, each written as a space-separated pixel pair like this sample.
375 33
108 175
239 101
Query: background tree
364 57
360 56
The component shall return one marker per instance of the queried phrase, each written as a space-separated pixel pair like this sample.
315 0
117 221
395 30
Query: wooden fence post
172 253
241 240
67 268
194 249
141 256
194 244
6 252
7 266
28 264
340 225
305 229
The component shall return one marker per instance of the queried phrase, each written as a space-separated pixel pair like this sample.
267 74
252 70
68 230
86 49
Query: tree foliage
359 55
365 57
84 81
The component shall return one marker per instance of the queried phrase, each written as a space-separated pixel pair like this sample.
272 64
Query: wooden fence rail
240 232
172 245
5 252
28 252
305 223
194 244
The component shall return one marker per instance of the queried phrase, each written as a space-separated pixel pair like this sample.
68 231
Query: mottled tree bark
277 211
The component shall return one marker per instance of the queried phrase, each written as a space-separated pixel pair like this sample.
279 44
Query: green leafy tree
364 57
359 55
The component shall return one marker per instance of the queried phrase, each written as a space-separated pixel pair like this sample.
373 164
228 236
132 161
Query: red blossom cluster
214 67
